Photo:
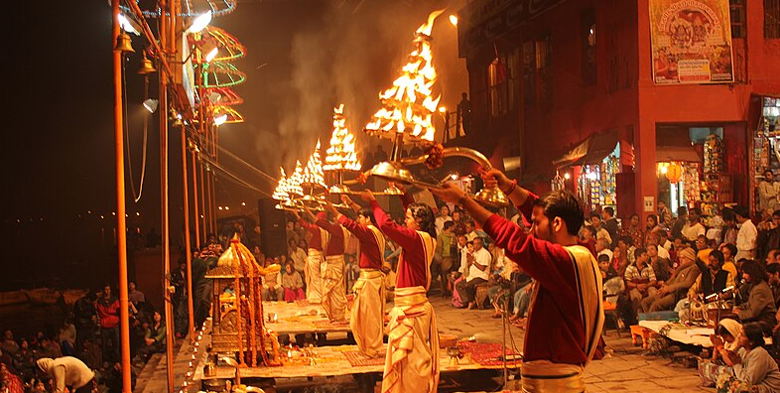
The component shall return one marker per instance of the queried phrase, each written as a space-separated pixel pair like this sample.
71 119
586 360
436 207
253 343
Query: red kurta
413 272
555 328
370 258
336 242
315 242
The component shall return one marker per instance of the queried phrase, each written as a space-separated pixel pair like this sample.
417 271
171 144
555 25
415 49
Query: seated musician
759 305
713 280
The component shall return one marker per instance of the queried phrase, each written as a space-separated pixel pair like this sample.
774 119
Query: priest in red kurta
412 359
367 313
566 316
314 260
334 294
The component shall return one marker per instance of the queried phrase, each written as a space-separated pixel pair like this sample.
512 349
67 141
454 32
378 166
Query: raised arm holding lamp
567 305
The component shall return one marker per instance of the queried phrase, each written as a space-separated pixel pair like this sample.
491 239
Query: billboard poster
691 41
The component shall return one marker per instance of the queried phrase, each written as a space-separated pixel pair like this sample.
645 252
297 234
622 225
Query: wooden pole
124 317
187 244
166 230
195 200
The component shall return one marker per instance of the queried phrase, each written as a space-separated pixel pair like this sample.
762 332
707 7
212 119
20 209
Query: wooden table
300 317
329 361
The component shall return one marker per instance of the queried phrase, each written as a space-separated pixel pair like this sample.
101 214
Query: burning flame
341 153
427 27
313 174
408 106
295 180
281 193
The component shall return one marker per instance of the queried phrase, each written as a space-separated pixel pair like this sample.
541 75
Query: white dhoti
542 376
412 360
334 297
368 312
314 276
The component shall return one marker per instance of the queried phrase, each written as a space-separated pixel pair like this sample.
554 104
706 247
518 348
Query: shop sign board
649 205
691 41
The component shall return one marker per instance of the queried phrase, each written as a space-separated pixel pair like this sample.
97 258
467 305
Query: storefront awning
673 145
592 150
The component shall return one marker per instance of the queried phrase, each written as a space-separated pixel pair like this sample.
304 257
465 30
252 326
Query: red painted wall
624 97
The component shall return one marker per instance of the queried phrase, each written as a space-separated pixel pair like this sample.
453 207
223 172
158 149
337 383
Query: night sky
303 58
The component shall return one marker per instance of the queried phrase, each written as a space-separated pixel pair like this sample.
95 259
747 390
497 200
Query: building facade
601 93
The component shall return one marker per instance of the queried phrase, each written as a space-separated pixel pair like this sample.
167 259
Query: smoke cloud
305 58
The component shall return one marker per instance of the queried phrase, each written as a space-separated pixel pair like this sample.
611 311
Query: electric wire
136 194
231 176
250 166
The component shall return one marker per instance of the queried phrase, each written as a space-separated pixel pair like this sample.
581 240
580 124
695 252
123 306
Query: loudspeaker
273 232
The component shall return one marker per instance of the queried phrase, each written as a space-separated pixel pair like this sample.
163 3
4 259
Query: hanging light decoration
193 8
228 114
224 96
230 48
221 74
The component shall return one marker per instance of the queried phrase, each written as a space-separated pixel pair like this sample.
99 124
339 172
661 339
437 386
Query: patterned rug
486 354
358 360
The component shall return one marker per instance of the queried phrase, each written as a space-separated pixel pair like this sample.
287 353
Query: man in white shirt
478 267
471 234
601 232
693 228
768 191
747 235
68 371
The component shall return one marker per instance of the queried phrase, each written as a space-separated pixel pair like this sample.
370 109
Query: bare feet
472 305
520 323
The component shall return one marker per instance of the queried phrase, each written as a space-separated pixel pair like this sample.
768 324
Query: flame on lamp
341 153
295 180
281 192
408 106
313 174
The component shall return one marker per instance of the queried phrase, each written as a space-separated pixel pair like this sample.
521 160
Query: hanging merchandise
713 155
691 181
610 168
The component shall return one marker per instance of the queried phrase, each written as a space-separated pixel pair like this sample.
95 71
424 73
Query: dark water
26 319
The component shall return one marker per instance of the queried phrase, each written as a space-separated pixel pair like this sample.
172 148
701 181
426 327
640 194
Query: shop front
765 154
694 169
592 169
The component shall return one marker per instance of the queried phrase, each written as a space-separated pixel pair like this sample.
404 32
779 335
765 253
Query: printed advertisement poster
691 41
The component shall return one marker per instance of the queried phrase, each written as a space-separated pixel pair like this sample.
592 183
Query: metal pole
187 245
195 200
166 241
203 185
215 140
124 317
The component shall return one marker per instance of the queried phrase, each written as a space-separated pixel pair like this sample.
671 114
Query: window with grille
588 33
544 67
771 18
738 18
503 83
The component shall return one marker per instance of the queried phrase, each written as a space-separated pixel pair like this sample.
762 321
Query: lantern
674 172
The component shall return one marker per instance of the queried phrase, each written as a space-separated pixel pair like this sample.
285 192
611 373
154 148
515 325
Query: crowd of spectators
86 345
666 263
